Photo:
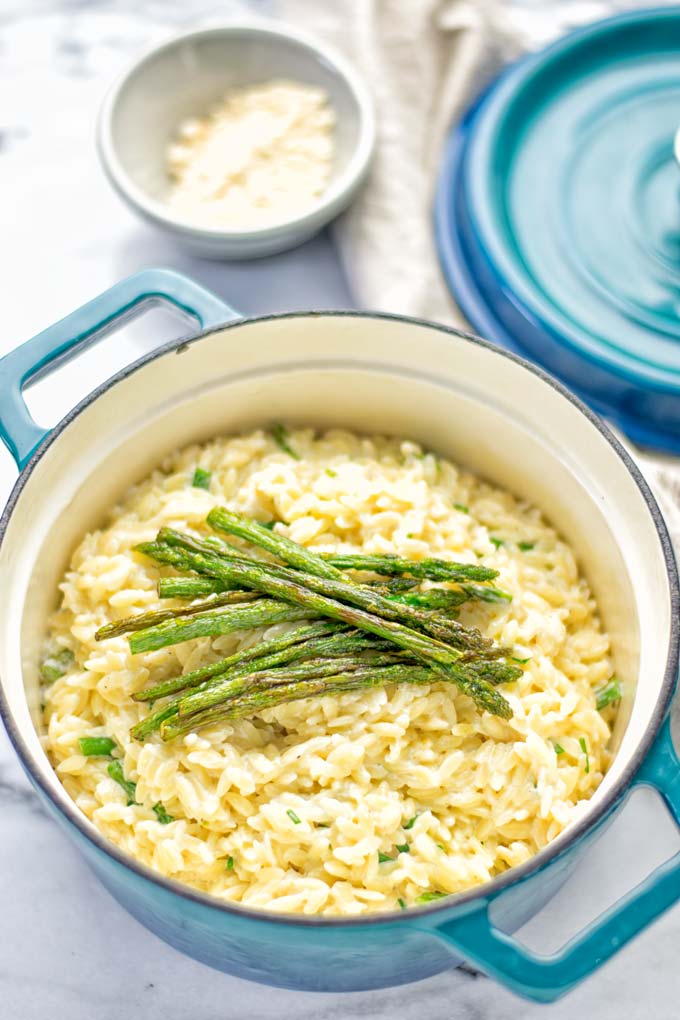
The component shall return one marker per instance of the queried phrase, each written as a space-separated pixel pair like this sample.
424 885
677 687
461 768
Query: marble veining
68 950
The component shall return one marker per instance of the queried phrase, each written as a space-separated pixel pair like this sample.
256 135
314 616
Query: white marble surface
68 950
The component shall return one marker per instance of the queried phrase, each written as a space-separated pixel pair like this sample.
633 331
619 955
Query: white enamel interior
371 375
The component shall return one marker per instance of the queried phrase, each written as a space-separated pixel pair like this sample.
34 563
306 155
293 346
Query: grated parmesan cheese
262 156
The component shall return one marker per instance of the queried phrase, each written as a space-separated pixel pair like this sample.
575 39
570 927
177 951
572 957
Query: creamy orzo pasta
335 805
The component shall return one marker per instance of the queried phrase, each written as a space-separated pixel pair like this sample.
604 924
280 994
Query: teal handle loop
547 978
41 355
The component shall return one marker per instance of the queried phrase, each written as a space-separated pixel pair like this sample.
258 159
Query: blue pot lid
558 217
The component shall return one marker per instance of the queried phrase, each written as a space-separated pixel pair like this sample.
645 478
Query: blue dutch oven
558 217
452 392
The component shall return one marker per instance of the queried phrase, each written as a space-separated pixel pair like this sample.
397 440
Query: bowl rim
485 892
329 204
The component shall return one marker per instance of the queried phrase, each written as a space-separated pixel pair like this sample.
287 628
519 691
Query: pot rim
65 806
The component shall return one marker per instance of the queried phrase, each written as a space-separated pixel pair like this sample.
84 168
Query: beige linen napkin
424 61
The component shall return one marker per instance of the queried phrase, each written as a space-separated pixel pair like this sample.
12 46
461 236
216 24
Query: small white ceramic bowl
183 78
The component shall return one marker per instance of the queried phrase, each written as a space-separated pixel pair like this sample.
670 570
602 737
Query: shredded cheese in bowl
261 156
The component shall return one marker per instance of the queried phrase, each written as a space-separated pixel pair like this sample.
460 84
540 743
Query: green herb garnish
331 473
607 694
269 525
383 857
403 848
402 903
442 848
461 506
498 542
558 748
488 594
280 437
115 770
429 897
56 665
161 814
411 822
520 662
96 747
525 546
425 455
584 748
201 479
293 817
230 863
322 825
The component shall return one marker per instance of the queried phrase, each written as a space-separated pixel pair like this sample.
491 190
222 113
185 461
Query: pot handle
547 978
87 324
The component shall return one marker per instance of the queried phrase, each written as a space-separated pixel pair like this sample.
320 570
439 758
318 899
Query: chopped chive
293 817
161 814
428 897
96 747
425 455
403 848
462 508
322 825
280 437
520 662
201 479
488 594
269 525
607 694
56 665
442 848
402 903
525 546
383 857
558 748
115 770
410 534
230 863
410 823
584 748
331 473
498 542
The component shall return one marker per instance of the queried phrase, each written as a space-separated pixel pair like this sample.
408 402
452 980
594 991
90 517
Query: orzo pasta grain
348 804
